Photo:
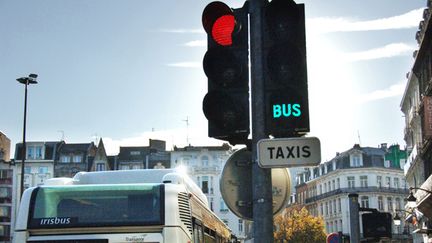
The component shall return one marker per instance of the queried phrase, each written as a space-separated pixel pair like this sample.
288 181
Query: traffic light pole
261 178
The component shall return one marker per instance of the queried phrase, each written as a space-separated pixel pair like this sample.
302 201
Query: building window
240 225
356 160
326 209
204 161
77 158
334 206
134 152
5 174
30 152
339 205
100 167
5 192
364 201
64 159
351 181
380 204
205 184
379 181
27 170
396 182
211 185
387 163
322 209
333 184
338 183
363 181
398 203
331 207
389 204
38 152
34 152
5 211
388 181
43 170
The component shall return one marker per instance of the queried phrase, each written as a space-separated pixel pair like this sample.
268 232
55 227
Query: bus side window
198 233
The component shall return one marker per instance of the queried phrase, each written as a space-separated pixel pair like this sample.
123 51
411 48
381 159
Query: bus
145 206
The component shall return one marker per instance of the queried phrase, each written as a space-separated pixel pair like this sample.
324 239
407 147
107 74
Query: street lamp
411 199
31 79
397 220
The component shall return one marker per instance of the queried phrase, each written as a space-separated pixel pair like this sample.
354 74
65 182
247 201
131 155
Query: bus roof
166 176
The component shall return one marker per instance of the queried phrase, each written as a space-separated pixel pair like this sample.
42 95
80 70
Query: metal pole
23 154
31 79
261 178
354 218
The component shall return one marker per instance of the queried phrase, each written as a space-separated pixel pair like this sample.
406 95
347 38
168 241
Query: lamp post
411 199
31 79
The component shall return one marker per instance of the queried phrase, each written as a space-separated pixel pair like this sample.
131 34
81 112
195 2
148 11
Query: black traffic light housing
285 70
377 225
226 105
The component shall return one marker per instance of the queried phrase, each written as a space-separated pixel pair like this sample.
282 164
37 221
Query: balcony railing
206 170
357 190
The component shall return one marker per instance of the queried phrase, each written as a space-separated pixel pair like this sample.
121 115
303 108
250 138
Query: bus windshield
96 205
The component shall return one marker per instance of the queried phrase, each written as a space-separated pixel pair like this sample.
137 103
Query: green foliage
298 226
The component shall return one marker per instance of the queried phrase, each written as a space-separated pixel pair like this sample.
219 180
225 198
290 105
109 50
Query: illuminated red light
222 30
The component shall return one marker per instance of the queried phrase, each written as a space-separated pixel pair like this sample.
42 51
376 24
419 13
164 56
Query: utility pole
354 218
261 178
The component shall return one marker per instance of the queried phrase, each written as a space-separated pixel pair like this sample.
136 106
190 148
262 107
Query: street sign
289 152
236 185
333 238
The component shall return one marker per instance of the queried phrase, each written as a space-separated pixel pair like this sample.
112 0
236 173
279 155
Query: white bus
145 206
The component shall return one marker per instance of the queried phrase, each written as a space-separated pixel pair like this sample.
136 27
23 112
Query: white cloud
392 91
390 50
186 64
329 24
196 43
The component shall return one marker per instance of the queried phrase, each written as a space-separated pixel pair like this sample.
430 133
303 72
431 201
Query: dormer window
135 153
356 160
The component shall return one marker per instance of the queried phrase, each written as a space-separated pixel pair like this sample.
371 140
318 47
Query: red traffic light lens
222 30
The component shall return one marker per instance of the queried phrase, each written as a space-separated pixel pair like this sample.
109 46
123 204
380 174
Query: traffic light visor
222 66
222 110
219 22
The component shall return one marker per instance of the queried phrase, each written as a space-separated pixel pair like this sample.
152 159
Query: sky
129 71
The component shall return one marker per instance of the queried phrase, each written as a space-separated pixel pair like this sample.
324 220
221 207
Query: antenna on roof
187 130
358 134
62 137
96 138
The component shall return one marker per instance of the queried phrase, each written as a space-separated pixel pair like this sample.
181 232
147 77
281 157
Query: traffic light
226 105
285 71
377 225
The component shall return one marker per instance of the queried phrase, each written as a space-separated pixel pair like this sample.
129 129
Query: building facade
416 105
366 171
6 176
204 165
73 158
39 166
153 156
